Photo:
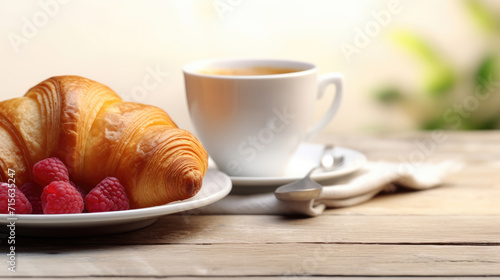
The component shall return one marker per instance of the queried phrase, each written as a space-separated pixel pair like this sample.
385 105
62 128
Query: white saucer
216 185
307 156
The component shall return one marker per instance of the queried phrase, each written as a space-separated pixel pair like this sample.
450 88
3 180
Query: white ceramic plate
307 156
216 185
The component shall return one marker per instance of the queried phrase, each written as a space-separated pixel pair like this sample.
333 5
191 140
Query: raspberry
33 193
19 204
60 197
82 192
108 195
50 170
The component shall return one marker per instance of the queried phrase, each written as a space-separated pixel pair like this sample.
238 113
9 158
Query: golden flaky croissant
96 134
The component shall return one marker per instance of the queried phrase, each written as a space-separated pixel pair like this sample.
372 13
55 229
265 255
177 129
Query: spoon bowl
306 188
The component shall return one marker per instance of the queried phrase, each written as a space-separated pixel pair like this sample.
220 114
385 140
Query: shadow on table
167 230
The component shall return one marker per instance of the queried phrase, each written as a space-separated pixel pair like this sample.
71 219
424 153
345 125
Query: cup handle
324 81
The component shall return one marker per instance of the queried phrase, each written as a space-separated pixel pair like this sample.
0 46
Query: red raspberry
50 170
61 197
33 193
82 192
19 203
108 195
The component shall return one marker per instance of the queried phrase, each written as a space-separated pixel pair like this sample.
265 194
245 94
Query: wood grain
298 277
447 233
267 229
259 260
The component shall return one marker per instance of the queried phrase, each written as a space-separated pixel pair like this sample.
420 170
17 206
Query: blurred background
408 65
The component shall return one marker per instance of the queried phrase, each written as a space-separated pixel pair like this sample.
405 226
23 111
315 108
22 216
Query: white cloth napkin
350 190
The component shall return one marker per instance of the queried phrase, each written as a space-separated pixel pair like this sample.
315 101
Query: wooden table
451 231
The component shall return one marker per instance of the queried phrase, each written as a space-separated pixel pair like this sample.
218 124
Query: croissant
89 127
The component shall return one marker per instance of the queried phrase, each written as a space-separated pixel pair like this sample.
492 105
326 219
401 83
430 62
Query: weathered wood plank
278 277
211 229
258 260
450 199
449 231
477 145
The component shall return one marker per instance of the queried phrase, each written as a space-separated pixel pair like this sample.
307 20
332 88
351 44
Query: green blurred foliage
486 72
388 95
446 87
439 78
482 16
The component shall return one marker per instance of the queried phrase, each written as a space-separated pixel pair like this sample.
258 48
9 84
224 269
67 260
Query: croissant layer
96 134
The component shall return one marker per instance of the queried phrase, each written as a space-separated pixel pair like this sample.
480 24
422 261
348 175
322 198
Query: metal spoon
307 188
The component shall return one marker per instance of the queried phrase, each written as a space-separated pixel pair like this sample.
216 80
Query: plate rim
127 215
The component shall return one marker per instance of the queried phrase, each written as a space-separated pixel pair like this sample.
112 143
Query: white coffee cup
252 124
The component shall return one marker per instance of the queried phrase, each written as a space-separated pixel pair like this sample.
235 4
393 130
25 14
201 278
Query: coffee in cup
250 71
